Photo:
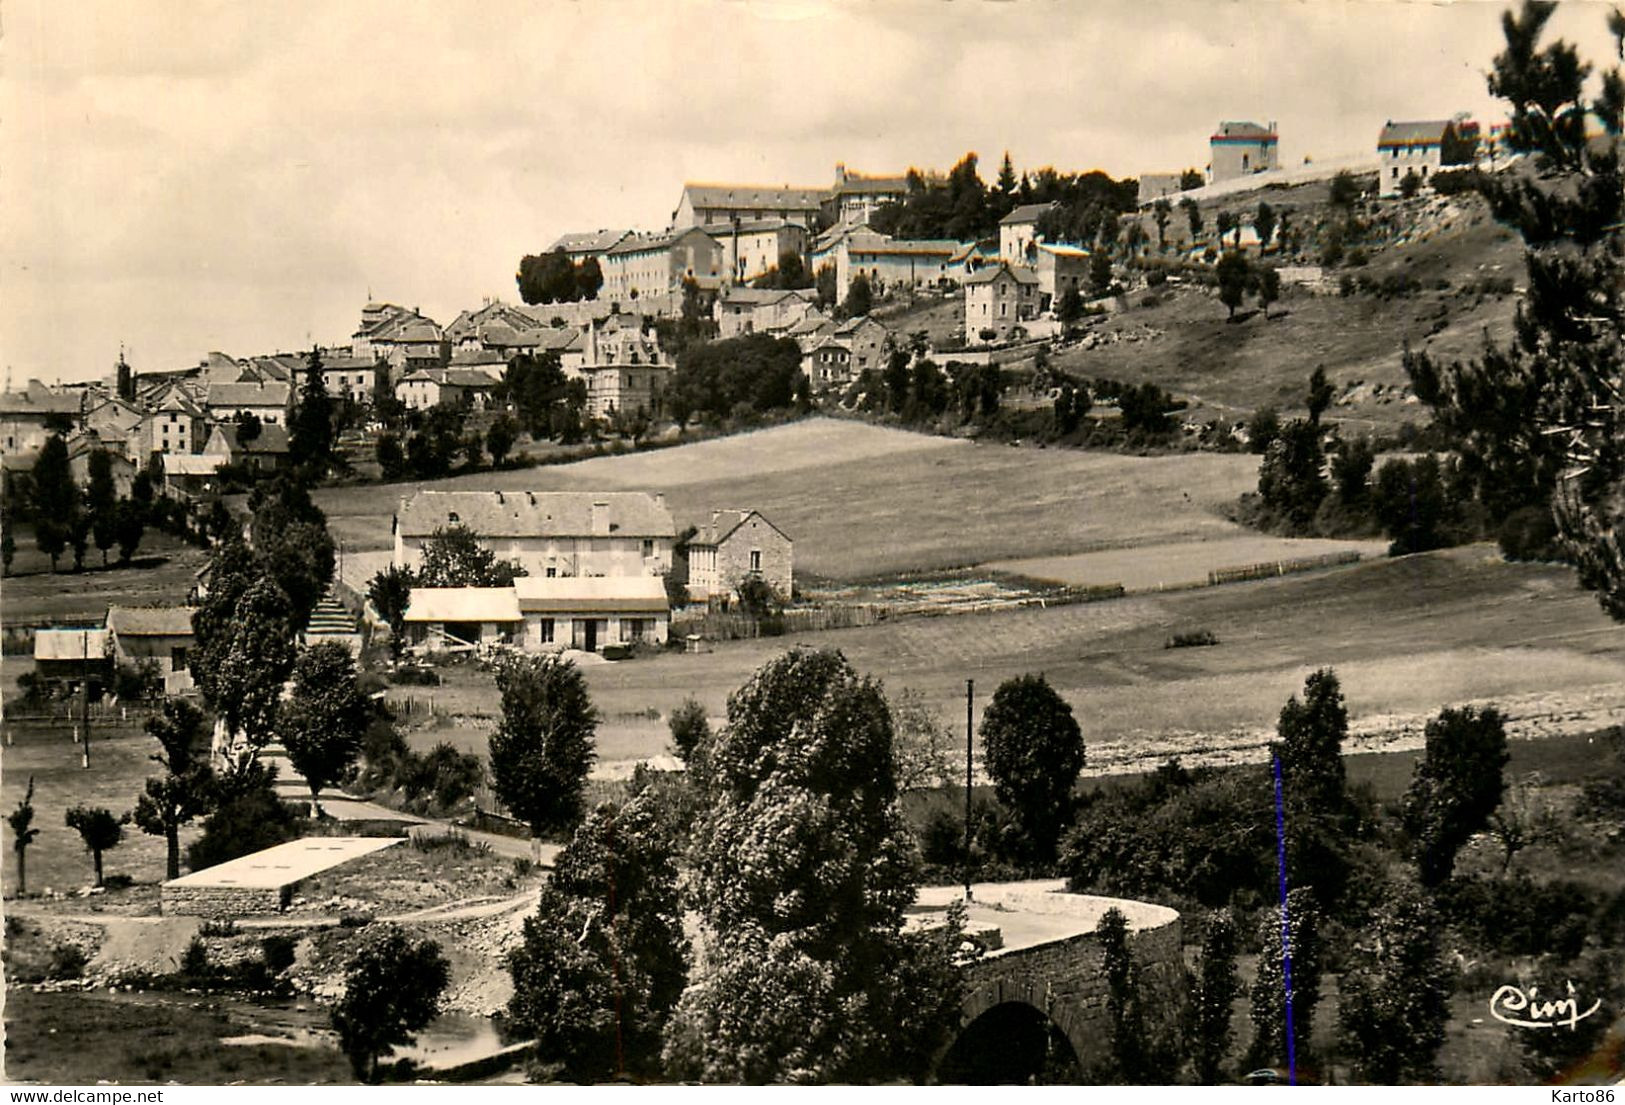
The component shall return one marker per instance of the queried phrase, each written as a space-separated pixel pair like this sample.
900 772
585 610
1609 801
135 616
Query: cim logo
1513 1005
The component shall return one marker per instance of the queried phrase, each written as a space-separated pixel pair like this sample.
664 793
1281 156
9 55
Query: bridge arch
1011 1043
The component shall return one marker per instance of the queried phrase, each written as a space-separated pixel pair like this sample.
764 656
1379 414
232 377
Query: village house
352 378
589 613
751 248
67 657
1059 268
866 339
659 263
548 533
1156 186
174 424
857 196
1018 230
737 545
30 416
268 401
709 204
893 264
624 373
159 633
998 299
422 388
1238 149
972 256
80 448
761 310
118 425
265 451
827 363
1422 148
401 337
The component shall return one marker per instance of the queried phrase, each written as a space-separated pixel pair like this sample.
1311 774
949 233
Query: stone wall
220 902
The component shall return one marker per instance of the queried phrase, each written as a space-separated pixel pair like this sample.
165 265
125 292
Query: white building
1422 148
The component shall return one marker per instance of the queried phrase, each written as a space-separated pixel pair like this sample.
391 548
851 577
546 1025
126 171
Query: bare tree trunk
96 858
172 838
22 871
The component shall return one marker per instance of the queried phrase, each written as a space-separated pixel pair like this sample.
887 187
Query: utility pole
84 695
970 691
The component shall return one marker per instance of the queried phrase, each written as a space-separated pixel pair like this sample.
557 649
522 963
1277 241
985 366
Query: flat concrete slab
285 863
1036 912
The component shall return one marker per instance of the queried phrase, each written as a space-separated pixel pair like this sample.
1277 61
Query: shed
589 612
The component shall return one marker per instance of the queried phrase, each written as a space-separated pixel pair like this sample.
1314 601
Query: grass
861 501
84 1038
162 573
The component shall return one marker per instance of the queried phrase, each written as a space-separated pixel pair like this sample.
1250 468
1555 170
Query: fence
716 625
1271 569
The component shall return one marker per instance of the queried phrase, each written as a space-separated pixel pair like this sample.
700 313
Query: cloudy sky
189 175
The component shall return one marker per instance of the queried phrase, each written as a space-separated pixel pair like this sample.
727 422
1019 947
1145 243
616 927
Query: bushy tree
542 749
130 525
246 670
390 592
1351 466
186 789
1263 428
1344 189
98 829
1128 1060
455 556
289 535
1315 803
859 299
690 728
392 988
803 867
101 501
1269 288
1456 787
310 426
1395 998
1034 751
757 371
1069 308
1410 500
927 756
548 278
1291 479
322 722
1235 277
1215 988
499 439
1298 940
1161 212
247 815
604 958
56 499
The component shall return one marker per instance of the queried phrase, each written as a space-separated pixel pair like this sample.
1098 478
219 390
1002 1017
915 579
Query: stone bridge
1046 968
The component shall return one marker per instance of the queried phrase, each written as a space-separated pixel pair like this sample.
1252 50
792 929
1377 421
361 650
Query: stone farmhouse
893 264
423 388
762 310
710 204
737 545
1019 229
269 401
1422 148
541 614
548 533
999 298
159 633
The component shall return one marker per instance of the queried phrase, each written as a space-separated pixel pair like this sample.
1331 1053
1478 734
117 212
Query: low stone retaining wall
221 902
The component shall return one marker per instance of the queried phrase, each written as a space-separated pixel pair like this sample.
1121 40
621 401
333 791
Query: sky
181 176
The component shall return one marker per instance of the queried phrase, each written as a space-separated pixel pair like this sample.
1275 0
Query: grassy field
862 501
1406 637
160 574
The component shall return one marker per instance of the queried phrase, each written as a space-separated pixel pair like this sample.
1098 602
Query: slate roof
16 404
754 197
588 241
1401 135
991 273
272 394
761 297
1242 132
534 513
857 182
463 604
150 621
879 244
747 226
271 440
724 522
611 594
1026 213
192 464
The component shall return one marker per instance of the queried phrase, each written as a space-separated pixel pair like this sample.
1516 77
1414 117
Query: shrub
1529 533
195 960
67 961
942 840
1200 638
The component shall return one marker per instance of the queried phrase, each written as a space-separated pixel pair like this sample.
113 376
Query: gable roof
740 296
538 594
1026 213
881 245
1401 135
270 441
463 604
534 513
150 621
849 182
754 197
1242 132
990 273
723 524
645 243
588 241
17 404
275 393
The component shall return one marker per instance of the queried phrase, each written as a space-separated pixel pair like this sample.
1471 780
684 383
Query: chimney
600 519
660 499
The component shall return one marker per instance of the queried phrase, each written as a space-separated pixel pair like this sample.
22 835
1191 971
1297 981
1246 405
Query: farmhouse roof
256 394
16 404
538 594
1402 135
72 644
754 197
1026 213
535 513
759 297
471 358
747 226
879 244
270 441
463 604
991 273
588 241
150 621
192 464
724 522
848 182
1060 249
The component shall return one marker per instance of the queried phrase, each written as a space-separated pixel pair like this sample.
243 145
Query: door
590 636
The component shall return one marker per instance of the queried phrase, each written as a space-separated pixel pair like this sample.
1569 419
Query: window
756 560
177 659
452 517
648 548
552 572
544 627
